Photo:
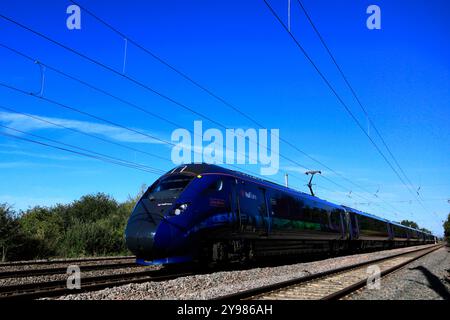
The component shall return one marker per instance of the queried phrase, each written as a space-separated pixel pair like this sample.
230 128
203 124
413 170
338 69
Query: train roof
386 220
203 168
365 214
406 227
197 168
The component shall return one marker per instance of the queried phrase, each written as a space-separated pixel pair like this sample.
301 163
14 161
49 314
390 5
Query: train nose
139 239
140 231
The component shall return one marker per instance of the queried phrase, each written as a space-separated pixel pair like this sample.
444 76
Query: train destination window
174 183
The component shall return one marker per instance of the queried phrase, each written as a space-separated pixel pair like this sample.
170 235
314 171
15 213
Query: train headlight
180 209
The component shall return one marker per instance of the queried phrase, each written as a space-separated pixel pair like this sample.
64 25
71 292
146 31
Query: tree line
414 225
447 229
91 226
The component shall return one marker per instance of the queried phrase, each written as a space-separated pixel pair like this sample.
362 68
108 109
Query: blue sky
238 50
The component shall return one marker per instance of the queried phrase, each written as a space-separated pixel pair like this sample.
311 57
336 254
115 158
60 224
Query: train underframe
243 250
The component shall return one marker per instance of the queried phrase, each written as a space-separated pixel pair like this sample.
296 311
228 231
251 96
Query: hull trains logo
248 195
211 147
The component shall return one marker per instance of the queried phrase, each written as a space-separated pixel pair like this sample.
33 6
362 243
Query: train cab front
146 233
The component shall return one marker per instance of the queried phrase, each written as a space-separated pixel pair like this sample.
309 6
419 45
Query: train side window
308 214
295 208
400 232
215 186
279 206
322 217
373 226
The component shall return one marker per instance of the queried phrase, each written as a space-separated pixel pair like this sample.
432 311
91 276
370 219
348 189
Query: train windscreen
170 186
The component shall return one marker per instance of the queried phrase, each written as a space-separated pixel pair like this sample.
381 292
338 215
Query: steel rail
62 270
59 261
259 291
59 287
356 286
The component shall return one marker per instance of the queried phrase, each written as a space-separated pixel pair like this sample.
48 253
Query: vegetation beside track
447 229
91 226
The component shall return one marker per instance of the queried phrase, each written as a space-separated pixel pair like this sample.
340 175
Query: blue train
206 213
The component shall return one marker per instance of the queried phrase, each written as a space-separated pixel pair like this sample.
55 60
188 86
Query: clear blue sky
238 50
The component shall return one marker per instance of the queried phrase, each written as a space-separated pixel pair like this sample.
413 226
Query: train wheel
219 253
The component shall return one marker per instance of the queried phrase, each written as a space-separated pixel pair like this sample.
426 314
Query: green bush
447 229
10 238
43 229
93 225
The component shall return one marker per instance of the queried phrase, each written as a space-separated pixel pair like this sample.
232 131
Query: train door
234 204
264 211
346 225
253 213
354 226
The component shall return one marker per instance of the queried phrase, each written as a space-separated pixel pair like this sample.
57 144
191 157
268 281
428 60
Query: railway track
63 269
63 261
332 284
59 287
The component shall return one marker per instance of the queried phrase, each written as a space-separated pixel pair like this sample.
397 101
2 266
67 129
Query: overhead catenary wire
78 131
85 113
101 119
335 93
98 118
167 64
358 100
129 78
424 199
73 108
50 122
112 70
91 86
136 82
95 88
83 132
83 151
208 91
